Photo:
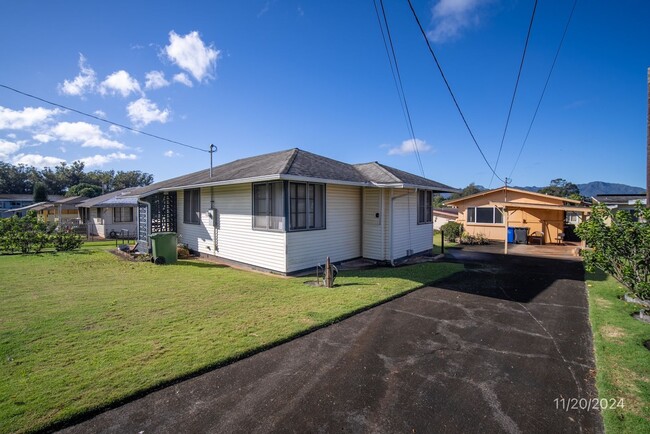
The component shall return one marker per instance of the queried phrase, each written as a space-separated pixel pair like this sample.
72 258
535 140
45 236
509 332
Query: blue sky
260 76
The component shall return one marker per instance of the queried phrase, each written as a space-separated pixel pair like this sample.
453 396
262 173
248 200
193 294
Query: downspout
214 220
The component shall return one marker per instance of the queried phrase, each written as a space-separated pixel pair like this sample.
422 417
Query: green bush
477 239
452 230
28 234
620 245
66 240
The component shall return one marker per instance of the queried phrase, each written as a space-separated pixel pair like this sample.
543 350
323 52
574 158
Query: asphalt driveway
501 347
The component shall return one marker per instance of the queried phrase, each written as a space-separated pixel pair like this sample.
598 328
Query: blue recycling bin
511 234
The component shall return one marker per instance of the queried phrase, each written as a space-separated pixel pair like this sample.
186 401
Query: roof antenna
212 150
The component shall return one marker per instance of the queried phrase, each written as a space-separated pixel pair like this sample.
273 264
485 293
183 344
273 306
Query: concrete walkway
496 348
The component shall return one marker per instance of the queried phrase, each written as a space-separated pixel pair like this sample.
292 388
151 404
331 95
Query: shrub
64 241
29 234
452 230
620 245
477 239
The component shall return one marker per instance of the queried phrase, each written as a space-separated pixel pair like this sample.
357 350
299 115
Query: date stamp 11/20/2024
589 404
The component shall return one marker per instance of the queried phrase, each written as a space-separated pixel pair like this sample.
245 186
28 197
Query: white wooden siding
104 226
373 231
407 234
340 241
235 238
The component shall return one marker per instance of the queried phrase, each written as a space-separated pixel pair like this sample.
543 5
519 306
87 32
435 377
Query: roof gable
532 194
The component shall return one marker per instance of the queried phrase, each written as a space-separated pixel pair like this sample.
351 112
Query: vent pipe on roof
212 150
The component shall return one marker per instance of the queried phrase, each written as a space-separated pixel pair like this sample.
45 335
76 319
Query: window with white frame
425 200
192 206
487 214
268 206
123 214
306 206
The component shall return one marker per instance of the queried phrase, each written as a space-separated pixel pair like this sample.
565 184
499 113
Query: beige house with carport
491 212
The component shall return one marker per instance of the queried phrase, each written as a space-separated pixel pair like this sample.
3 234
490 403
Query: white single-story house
443 215
109 215
287 211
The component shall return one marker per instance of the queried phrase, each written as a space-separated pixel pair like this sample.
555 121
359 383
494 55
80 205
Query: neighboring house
491 212
287 211
443 215
620 202
62 211
110 214
19 204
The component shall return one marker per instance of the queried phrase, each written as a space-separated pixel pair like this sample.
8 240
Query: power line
394 68
548 78
101 119
514 93
453 97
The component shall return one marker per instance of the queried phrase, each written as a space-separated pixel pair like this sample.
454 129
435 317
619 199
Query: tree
85 190
620 245
562 188
467 191
438 200
40 192
133 178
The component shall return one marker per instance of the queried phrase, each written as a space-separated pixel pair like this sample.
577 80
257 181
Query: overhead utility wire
453 97
514 93
101 119
548 78
397 79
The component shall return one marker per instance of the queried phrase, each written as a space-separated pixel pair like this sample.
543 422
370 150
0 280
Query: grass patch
623 364
437 243
84 330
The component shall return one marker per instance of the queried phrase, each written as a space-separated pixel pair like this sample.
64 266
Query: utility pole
212 150
647 171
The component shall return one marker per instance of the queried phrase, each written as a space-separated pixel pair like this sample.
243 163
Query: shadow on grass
92 412
197 264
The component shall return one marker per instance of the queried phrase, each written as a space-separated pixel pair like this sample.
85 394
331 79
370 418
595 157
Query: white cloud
115 129
62 149
192 55
36 160
100 160
142 112
171 154
409 146
120 82
451 17
83 83
25 118
11 136
182 78
89 135
100 113
43 138
8 148
155 80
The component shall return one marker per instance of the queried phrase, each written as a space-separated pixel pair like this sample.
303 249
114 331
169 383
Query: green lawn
623 364
437 243
80 331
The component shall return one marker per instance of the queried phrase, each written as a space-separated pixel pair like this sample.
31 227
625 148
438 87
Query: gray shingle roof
110 199
295 163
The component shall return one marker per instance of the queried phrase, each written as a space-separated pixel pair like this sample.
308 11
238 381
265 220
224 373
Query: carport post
505 238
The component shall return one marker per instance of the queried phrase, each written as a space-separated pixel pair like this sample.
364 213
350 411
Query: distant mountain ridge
594 188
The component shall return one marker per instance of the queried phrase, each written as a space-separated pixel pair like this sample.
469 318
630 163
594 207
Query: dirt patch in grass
612 333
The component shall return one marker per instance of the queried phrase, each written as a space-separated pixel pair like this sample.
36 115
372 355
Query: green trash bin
163 246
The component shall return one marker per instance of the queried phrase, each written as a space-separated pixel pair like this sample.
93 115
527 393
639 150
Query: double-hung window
487 214
123 214
268 206
306 206
425 200
192 206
